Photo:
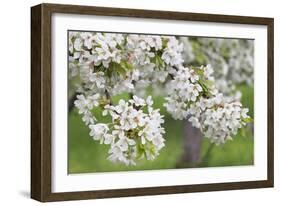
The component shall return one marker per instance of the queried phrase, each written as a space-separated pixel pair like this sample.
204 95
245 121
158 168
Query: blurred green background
86 155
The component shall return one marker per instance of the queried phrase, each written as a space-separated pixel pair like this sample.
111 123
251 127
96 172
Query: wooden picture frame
41 95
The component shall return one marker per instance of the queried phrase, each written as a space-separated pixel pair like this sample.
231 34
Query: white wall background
15 102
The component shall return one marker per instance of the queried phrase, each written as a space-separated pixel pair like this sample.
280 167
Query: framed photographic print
132 102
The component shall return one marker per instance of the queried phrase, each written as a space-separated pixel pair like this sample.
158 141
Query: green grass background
86 155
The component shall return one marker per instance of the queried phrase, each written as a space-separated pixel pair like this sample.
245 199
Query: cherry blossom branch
110 64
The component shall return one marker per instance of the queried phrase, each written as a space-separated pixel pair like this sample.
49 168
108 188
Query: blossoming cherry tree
108 64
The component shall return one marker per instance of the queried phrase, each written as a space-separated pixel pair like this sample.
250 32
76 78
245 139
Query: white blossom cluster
186 87
217 118
121 62
85 104
134 133
192 95
106 64
152 57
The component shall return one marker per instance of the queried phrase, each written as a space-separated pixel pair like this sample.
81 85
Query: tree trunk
192 146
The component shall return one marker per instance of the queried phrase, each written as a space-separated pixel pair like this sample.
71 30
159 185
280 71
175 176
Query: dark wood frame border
41 101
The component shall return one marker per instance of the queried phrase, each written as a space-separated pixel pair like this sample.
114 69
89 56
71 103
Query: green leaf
205 87
121 71
100 68
248 120
158 61
126 65
140 150
164 42
200 72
